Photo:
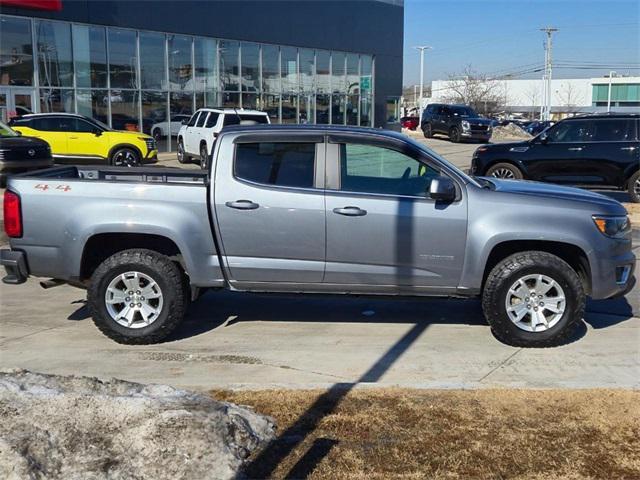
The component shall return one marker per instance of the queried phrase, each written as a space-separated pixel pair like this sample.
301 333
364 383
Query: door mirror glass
543 138
443 189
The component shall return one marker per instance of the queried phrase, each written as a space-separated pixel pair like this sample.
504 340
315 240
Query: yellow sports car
79 139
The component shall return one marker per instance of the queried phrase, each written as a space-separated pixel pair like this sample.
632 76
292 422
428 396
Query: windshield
463 111
6 131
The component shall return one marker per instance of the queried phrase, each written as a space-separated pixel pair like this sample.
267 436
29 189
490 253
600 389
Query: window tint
201 119
376 170
252 119
212 120
570 132
52 124
193 119
83 127
280 164
614 130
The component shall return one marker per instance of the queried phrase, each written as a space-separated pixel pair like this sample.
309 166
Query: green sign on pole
365 82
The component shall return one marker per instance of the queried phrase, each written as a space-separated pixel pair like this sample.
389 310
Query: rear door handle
628 149
242 205
350 211
575 149
74 138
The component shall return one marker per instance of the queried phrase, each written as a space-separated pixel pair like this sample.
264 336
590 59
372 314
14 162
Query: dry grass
411 434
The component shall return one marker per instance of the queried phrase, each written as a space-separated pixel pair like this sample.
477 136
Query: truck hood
557 192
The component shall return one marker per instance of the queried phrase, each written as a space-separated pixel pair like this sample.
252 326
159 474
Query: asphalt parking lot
233 340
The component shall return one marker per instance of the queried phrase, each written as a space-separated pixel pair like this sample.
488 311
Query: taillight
12 215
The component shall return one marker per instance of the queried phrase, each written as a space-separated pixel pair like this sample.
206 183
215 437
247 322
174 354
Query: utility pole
548 62
611 74
422 49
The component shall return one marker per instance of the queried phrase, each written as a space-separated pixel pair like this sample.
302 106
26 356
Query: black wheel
125 157
454 134
137 297
182 154
634 187
156 134
506 171
203 156
427 131
533 299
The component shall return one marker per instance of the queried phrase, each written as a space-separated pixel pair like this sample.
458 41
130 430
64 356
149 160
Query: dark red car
410 122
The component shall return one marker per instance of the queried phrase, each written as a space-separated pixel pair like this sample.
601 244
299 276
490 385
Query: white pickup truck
197 135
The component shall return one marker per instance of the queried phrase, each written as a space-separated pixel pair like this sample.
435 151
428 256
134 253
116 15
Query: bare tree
486 95
570 97
532 95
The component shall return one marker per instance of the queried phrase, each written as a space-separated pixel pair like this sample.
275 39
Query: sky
496 37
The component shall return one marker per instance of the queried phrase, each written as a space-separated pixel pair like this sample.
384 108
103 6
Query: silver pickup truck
316 210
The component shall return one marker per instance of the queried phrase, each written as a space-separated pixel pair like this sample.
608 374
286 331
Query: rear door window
276 164
613 130
201 119
51 124
212 120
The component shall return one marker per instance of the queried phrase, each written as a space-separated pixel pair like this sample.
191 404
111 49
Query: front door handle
74 138
350 211
242 205
575 149
628 149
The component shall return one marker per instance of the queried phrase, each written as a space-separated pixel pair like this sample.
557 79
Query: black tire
454 134
125 157
161 270
182 154
509 271
633 187
203 156
506 171
427 131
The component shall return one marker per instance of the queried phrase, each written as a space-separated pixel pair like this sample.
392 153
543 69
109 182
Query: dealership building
146 65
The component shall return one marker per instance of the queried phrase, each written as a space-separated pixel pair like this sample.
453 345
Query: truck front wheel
533 299
137 297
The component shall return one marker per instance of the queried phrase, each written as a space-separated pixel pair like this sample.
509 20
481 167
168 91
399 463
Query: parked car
459 122
294 208
410 122
197 136
21 154
591 151
538 126
163 129
79 139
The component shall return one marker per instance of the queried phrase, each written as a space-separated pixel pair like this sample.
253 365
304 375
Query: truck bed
121 174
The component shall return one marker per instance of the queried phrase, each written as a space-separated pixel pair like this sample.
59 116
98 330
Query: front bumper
15 264
151 157
471 135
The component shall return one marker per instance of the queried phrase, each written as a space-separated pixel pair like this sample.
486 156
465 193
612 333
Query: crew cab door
269 207
191 143
383 233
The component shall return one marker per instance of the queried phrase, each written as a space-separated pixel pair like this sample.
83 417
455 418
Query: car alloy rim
125 158
636 187
180 152
134 300
503 173
535 303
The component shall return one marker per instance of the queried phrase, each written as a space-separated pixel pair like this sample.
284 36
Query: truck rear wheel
533 299
137 297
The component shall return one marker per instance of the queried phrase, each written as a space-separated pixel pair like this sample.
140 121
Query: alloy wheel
125 158
203 157
503 173
180 152
636 187
535 303
134 300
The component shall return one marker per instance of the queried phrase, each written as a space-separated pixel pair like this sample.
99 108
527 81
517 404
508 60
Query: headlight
614 227
466 125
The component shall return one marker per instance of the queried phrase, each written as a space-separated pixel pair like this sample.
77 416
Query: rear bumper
15 265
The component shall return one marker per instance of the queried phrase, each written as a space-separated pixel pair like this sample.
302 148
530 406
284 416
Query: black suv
591 150
460 122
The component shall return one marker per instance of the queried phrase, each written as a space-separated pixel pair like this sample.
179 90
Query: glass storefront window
250 100
91 103
56 100
153 68
270 69
180 63
289 109
366 109
353 74
289 70
90 56
352 108
53 46
323 106
16 52
337 109
154 119
250 61
124 110
123 58
206 66
393 110
271 105
229 57
338 82
307 108
307 70
366 78
231 100
323 71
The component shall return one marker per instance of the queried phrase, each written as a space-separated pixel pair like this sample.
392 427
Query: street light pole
548 67
611 74
422 48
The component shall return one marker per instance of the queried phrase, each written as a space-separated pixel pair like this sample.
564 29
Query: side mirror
442 188
544 138
97 132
